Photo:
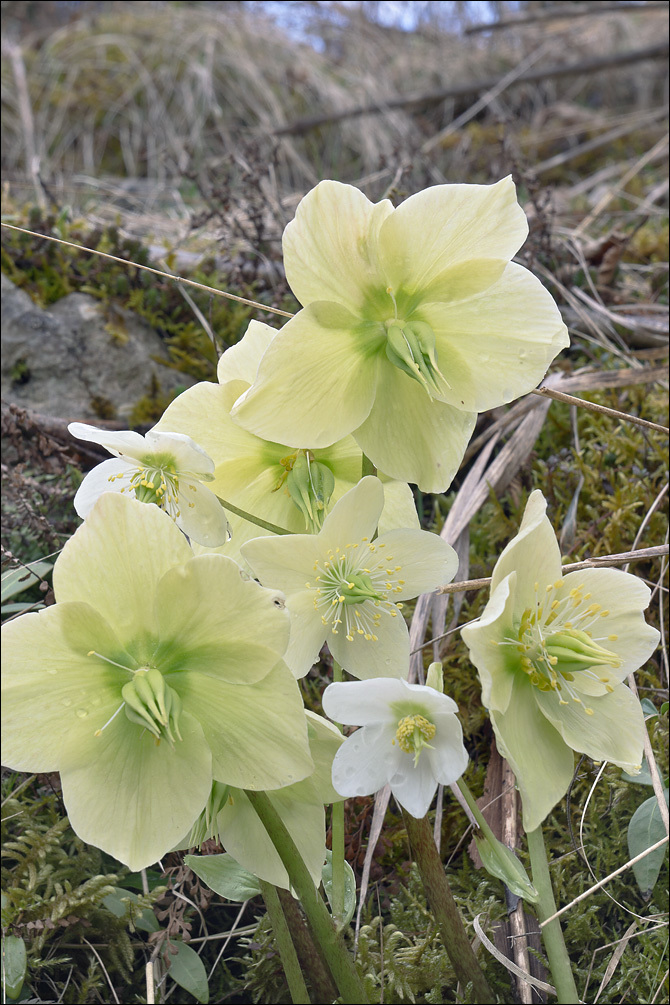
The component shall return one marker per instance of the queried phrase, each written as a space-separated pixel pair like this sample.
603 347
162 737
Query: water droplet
81 713
52 671
67 702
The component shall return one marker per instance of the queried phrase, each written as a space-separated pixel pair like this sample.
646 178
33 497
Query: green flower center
413 734
410 346
556 644
352 588
152 703
310 485
155 480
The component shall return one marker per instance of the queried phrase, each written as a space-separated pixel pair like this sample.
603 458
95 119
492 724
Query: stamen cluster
351 592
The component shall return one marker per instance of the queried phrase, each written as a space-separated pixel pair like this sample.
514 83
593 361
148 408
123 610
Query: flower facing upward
552 652
414 319
154 674
344 587
163 468
289 486
411 739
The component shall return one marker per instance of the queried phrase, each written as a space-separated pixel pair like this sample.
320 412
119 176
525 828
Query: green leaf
16 580
644 830
648 707
349 888
188 971
224 876
119 903
14 965
501 862
18 607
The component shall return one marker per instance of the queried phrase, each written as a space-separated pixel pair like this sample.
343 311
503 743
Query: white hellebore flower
411 739
343 584
163 468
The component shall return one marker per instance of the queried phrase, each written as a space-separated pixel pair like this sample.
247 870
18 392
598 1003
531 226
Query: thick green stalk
265 524
552 935
337 836
443 906
289 958
332 947
312 965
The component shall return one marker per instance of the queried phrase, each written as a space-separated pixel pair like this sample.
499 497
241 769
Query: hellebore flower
552 652
154 674
342 586
292 488
414 319
411 739
163 468
230 817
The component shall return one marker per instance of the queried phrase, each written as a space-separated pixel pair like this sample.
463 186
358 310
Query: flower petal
361 703
308 634
446 225
244 836
284 563
624 597
110 476
540 759
446 754
53 691
212 620
414 786
126 443
131 796
614 732
387 656
190 458
497 664
115 560
426 561
316 382
497 345
410 436
201 515
354 517
533 552
330 248
240 361
366 760
257 733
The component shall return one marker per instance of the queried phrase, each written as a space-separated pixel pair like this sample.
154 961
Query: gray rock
80 358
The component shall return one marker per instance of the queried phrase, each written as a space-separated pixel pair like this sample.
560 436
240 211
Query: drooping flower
411 739
291 487
414 319
552 652
165 468
230 817
155 674
343 587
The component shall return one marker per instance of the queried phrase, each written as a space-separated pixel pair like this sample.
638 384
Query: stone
80 358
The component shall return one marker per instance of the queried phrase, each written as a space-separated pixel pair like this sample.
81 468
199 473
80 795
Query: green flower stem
367 467
289 958
476 812
443 906
331 945
557 954
265 524
311 963
337 834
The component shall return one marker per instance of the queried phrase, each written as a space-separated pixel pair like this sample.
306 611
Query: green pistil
153 704
574 650
310 486
359 589
410 346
